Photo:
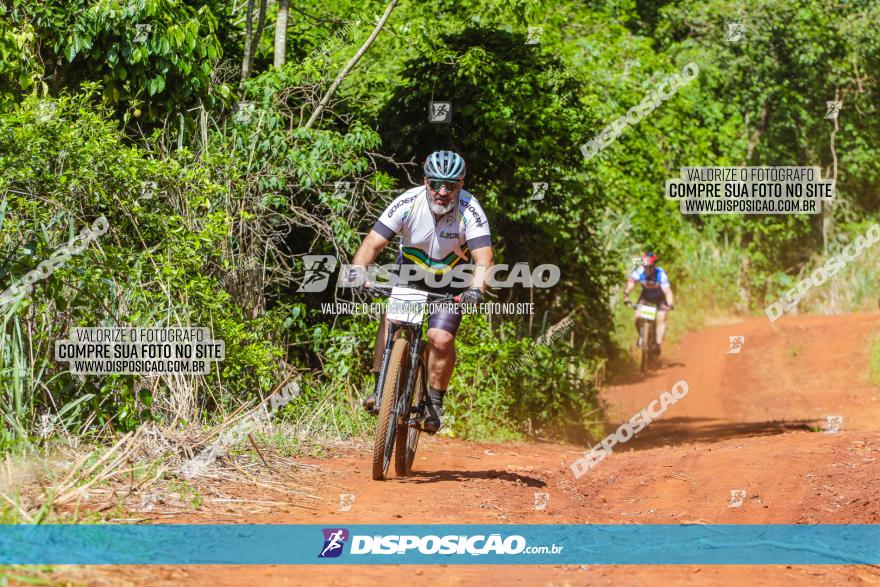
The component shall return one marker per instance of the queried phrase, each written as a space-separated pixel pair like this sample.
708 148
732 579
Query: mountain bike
402 388
646 321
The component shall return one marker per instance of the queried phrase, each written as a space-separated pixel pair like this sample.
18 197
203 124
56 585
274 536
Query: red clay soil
751 421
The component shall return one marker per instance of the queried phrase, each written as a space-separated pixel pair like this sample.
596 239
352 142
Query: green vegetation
874 361
30 575
187 493
212 205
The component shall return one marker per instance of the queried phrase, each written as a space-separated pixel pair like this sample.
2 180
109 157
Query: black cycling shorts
653 299
447 320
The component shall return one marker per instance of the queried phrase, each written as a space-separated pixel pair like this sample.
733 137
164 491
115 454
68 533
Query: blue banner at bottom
725 544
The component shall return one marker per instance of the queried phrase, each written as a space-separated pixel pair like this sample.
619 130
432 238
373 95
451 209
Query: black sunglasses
436 184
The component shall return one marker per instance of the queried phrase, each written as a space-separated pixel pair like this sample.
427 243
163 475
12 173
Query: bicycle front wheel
646 346
395 378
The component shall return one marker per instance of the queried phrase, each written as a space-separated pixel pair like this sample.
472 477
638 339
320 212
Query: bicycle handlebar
385 290
635 306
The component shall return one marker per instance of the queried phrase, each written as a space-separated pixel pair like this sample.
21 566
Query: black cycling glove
357 279
472 297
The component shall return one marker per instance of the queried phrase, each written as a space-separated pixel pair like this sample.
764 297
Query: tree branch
248 30
252 37
756 136
350 65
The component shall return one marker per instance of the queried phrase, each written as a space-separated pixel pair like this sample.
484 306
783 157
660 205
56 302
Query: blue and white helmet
445 165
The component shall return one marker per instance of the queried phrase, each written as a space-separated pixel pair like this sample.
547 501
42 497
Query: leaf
71 405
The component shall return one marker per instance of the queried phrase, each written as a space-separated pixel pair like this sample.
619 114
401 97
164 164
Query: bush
65 164
499 392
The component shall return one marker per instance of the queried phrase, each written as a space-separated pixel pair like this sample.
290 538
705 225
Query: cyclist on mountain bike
441 226
656 291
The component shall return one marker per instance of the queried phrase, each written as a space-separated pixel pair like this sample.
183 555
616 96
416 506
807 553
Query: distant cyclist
656 291
441 226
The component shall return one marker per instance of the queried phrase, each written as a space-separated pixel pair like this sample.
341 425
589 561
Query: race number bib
646 312
407 305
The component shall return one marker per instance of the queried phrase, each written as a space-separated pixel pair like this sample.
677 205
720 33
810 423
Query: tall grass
16 401
854 288
874 360
710 278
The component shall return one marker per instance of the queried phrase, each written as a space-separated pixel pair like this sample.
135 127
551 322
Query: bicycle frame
397 431
416 346
646 313
652 332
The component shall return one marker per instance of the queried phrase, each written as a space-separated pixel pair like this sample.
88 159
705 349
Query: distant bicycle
655 299
646 320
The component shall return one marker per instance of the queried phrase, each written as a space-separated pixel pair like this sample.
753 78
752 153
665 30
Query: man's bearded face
442 195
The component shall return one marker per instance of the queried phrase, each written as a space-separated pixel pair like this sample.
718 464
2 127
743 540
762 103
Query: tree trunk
248 30
756 136
827 218
281 34
252 37
261 24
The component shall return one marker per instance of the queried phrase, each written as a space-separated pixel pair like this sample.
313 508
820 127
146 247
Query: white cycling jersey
433 244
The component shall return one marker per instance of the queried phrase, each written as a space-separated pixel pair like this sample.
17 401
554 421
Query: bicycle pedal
420 428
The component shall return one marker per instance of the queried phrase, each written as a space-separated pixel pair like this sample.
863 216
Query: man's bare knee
441 341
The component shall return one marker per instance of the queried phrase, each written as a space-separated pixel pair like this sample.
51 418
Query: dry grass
141 477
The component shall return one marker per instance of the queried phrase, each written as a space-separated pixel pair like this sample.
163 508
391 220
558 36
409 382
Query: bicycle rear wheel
395 378
407 440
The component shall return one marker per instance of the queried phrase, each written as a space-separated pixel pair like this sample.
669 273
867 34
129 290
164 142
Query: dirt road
751 421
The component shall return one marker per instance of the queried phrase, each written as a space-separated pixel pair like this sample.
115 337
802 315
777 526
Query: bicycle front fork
386 355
